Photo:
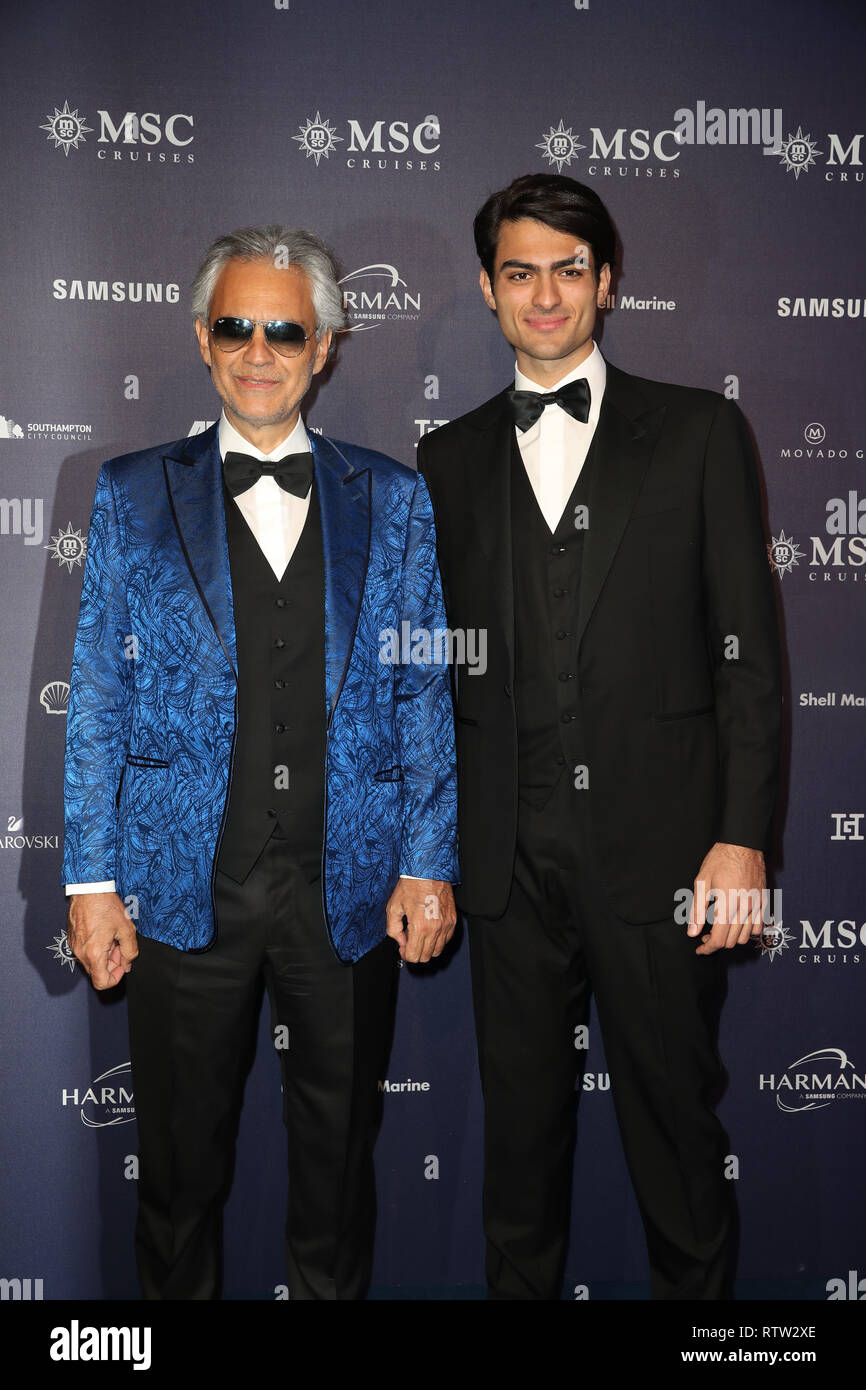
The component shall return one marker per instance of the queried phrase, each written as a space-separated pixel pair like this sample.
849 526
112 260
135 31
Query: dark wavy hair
559 202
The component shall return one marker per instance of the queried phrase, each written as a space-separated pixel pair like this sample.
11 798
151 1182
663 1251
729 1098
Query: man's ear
603 285
203 341
487 289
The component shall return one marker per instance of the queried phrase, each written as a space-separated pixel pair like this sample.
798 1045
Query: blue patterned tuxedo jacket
152 706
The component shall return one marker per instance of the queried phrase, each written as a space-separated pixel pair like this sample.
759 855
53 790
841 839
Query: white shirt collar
593 367
230 441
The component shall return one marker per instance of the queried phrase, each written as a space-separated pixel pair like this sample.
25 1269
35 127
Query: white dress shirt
275 517
554 449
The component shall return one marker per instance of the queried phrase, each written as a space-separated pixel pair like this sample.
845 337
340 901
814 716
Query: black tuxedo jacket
678 657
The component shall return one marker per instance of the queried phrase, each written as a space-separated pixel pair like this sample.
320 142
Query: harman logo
107 1101
61 951
815 1081
68 547
385 297
628 149
54 697
388 140
784 554
66 128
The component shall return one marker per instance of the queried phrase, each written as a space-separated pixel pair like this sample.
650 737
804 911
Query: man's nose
546 291
258 349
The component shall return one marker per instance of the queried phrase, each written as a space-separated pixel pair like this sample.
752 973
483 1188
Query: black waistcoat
547 572
279 754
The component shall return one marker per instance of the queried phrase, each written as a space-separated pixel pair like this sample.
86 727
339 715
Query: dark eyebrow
528 265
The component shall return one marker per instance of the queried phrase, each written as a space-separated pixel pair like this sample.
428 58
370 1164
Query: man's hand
738 878
428 907
101 937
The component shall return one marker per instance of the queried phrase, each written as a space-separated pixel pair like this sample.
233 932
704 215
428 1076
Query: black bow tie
527 406
294 473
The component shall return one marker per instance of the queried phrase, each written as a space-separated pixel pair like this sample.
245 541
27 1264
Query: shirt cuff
106 887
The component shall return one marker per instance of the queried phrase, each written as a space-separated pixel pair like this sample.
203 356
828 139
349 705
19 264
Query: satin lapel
345 505
628 428
488 482
193 477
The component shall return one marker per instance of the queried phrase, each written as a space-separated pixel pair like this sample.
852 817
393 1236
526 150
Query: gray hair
283 247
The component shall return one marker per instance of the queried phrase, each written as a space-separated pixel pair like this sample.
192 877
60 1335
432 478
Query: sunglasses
285 337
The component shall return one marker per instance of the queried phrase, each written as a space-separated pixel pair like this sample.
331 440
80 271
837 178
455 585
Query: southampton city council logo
797 153
560 146
317 139
66 128
68 547
784 553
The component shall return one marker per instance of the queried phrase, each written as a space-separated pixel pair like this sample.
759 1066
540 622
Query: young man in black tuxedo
621 746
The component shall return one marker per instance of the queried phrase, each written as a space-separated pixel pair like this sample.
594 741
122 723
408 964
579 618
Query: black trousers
658 1005
193 1020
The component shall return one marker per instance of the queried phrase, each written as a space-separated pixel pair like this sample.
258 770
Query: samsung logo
118 291
820 308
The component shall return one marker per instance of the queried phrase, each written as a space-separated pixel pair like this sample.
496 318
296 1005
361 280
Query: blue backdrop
131 137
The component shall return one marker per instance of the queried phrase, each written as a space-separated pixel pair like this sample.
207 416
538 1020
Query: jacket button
279 685
507 690
279 643
272 813
280 728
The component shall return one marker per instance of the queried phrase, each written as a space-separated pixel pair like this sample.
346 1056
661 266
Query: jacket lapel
488 481
345 506
193 477
628 428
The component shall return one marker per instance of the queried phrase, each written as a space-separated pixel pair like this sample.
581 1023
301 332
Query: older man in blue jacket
256 794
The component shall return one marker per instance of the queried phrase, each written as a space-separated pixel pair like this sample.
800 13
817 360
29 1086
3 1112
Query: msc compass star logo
66 128
317 138
784 553
798 153
61 950
773 939
68 547
560 146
